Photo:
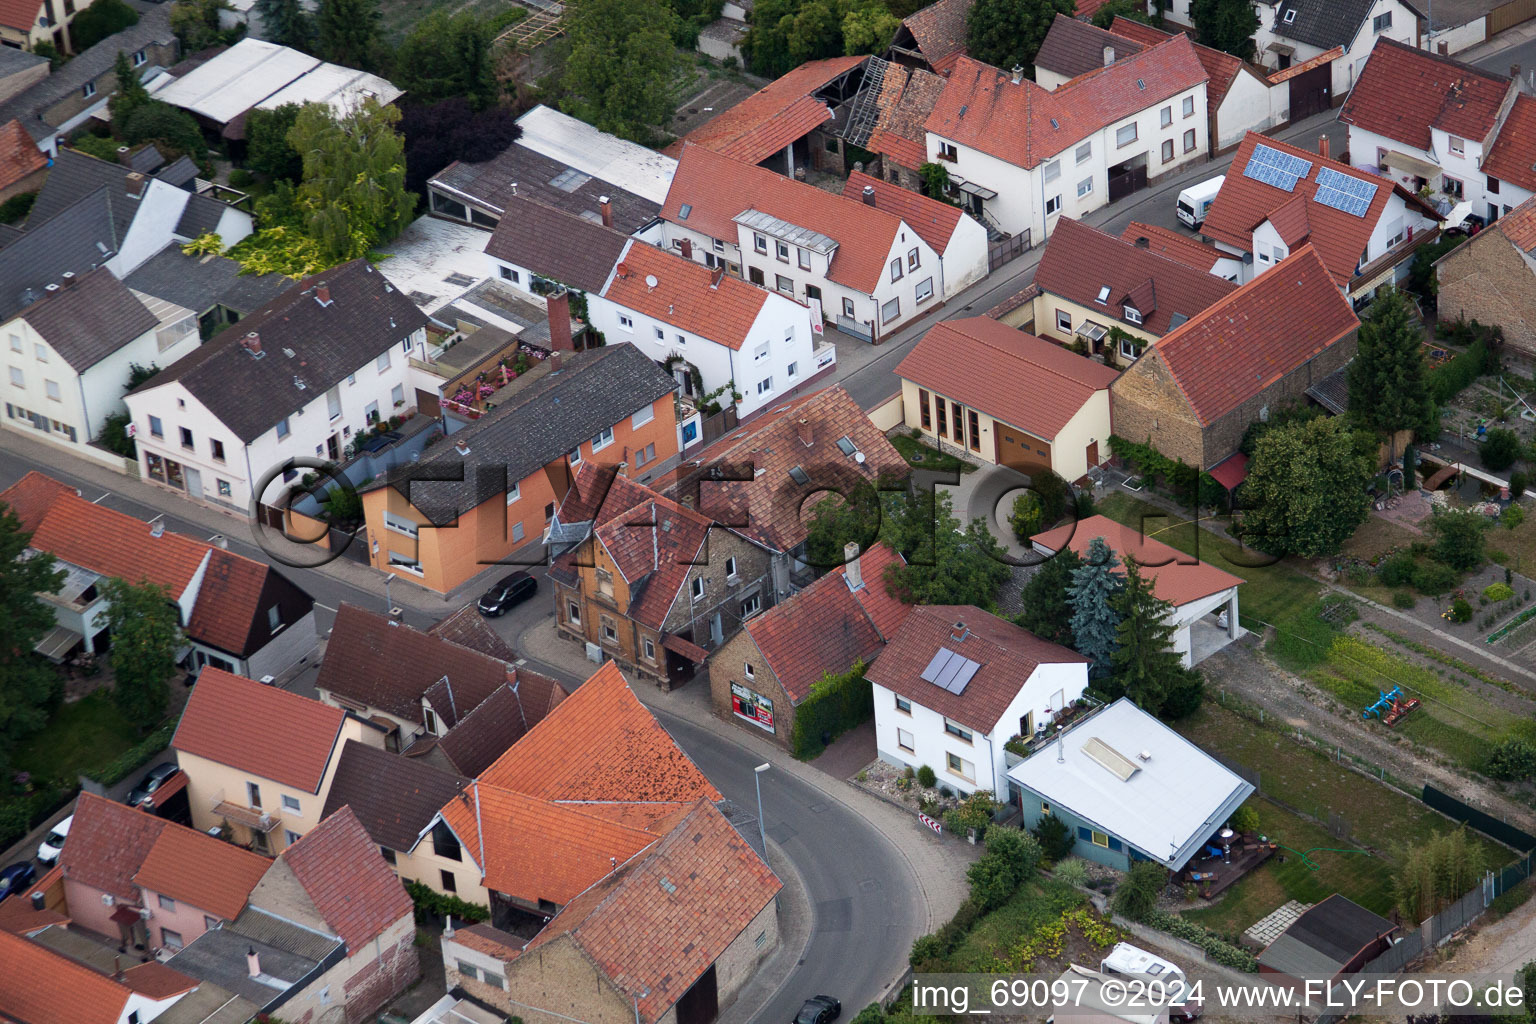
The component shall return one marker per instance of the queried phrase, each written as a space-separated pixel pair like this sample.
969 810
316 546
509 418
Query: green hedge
1188 485
433 905
18 815
1448 379
836 704
1218 949
118 769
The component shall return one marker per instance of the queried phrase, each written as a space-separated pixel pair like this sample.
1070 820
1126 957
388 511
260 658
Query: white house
955 683
301 378
861 267
1022 155
688 318
958 238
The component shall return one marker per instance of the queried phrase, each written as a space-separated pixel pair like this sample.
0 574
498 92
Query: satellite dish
858 457
650 281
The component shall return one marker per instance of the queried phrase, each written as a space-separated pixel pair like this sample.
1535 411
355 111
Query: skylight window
569 180
846 446
1141 83
683 213
799 475
1103 295
1055 123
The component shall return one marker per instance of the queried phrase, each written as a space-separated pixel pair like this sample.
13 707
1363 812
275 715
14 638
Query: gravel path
1502 947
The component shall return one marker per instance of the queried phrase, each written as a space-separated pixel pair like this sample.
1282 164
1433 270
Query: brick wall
1223 436
725 668
552 985
1487 280
381 980
753 574
741 957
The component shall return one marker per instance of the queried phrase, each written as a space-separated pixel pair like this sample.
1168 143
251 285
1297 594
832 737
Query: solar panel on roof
1345 192
937 664
950 671
963 677
1276 169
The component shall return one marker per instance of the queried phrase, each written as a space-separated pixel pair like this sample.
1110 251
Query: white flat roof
334 85
577 144
1175 799
237 79
430 251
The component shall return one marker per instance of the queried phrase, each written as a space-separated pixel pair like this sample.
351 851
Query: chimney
605 208
136 184
68 278
39 901
252 962
323 293
851 566
559 306
1514 72
52 289
554 362
122 154
1143 242
686 248
1018 73
461 447
803 428
717 276
252 343
960 632
117 968
869 195
1323 146
1109 55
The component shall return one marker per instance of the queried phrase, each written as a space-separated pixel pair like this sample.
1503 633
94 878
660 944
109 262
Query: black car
158 776
16 878
818 1010
510 592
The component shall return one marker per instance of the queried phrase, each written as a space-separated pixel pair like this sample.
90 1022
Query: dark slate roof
501 720
1075 47
73 177
541 423
90 319
9 232
13 61
518 172
556 244
178 172
395 797
219 956
79 240
1322 23
366 316
1322 941
200 216
146 160
201 282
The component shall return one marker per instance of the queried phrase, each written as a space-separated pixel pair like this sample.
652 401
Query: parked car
16 878
818 1010
52 844
509 593
156 777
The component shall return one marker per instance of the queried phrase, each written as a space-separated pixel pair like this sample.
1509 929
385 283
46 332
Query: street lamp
757 778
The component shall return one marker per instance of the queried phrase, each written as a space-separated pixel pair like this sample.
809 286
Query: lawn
924 456
81 736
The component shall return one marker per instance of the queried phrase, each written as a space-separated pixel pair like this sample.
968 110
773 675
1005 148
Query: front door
1027 725
333 447
1093 454
194 482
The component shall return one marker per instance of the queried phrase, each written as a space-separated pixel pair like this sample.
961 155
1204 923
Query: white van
1128 959
1195 201
53 844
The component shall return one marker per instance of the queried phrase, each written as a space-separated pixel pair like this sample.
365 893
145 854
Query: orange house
492 487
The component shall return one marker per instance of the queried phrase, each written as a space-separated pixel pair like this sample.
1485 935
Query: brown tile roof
1221 67
17 915
32 496
1290 221
227 713
1327 57
1007 654
482 938
776 115
224 614
489 730
552 243
1015 122
1519 226
19 155
1081 260
939 31
907 96
1074 47
1168 242
1030 383
654 545
108 842
656 925
157 981
39 986
686 295
1403 92
1339 238
197 869
375 661
1257 335
884 609
466 627
1513 154
771 504
934 222
344 876
395 797
20 14
1174 578
719 188
824 628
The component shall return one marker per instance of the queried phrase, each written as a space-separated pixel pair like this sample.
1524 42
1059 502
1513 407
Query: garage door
1018 450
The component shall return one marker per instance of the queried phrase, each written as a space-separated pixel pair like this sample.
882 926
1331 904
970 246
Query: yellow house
259 760
1008 398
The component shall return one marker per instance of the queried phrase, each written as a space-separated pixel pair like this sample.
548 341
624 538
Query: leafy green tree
1011 857
101 19
868 29
171 129
1225 25
347 33
1008 33
28 684
1500 448
1133 10
436 134
1513 760
1388 389
1146 667
267 149
786 33
1095 622
1459 538
114 435
838 521
48 50
1137 894
447 55
353 193
1047 610
131 94
1055 837
146 639
196 23
1436 872
945 564
286 23
1306 489
619 76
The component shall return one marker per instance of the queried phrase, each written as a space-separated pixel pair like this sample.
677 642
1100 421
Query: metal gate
1508 15
1006 249
353 545
1310 91
1127 181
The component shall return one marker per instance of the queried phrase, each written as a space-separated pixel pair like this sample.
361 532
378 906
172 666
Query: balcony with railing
1078 711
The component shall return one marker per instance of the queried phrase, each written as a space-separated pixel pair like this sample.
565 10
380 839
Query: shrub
1498 591
1053 491
1136 897
432 905
1054 836
926 949
99 146
17 207
1500 449
1012 855
137 756
974 813
1027 517
1245 819
925 777
1512 516
1512 760
1517 482
1072 871
1460 611
871 1014
1396 570
1403 599
240 177
836 704
1218 949
1459 538
1432 578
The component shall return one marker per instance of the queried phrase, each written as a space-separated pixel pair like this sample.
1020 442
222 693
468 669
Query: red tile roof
157 981
482 938
656 925
775 116
719 188
344 876
1257 335
19 155
108 842
1327 57
17 915
1221 68
885 610
1290 221
1339 238
1174 578
1015 122
1519 226
1007 655
39 986
654 545
197 869
907 96
19 14
231 590
1403 92
824 628
1512 156
1168 242
686 295
266 731
32 496
1081 261
1030 383
939 31
934 222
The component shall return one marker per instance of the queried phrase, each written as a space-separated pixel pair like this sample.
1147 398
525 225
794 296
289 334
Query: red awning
1231 471
687 648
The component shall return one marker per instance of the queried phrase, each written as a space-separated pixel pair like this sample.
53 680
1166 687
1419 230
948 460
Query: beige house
259 760
1038 406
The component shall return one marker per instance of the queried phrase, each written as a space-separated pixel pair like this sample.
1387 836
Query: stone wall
1487 280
